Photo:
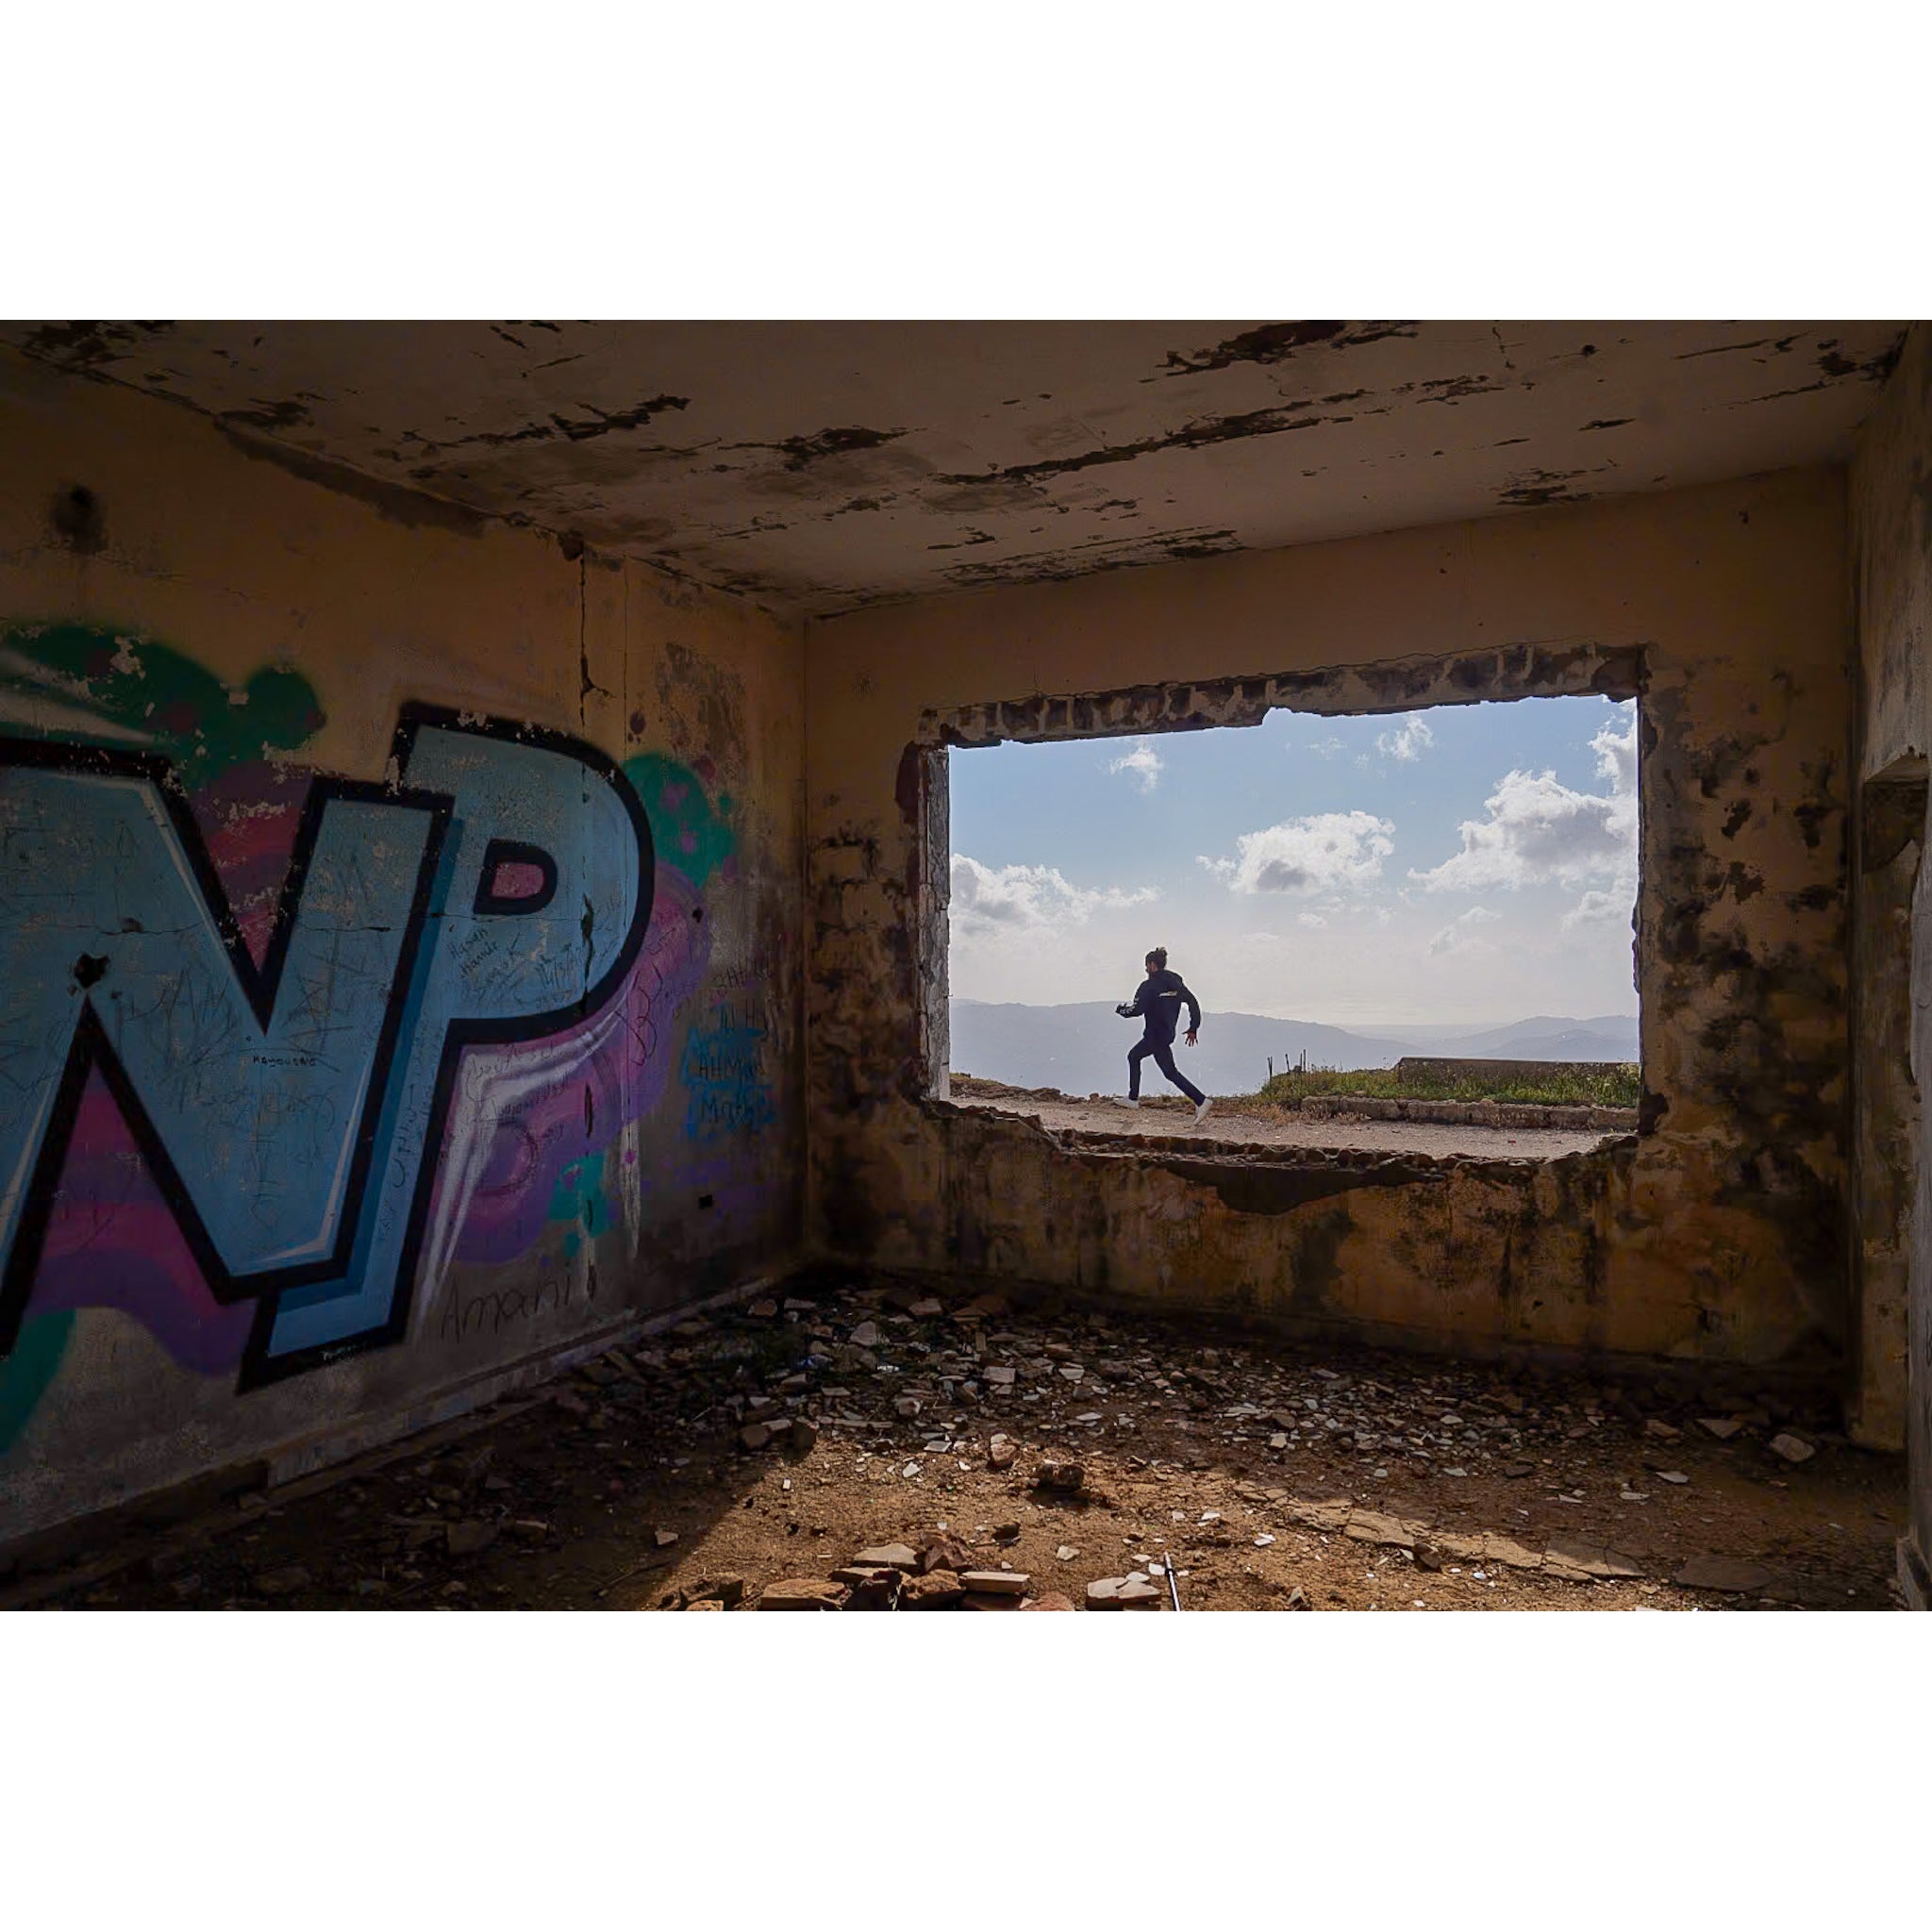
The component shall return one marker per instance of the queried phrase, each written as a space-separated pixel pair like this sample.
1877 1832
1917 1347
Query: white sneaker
1130 1103
1201 1112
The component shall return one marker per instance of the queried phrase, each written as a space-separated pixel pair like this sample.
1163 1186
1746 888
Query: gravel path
1228 1124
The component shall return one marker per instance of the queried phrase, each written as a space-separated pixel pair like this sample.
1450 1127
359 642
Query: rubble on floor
893 1448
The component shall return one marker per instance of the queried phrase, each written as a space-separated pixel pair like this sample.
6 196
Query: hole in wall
1384 917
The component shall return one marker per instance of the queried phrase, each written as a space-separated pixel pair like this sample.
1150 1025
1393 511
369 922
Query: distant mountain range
1082 1048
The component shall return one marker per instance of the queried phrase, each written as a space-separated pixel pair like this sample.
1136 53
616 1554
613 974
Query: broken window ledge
1271 1136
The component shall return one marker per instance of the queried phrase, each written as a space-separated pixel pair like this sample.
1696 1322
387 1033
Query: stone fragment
1007 1533
1002 1453
804 1434
803 1593
1051 1600
1000 1378
1661 1430
763 1310
663 1537
1577 1561
1728 1576
887 1557
283 1582
704 1602
906 1406
944 1553
988 1600
878 1591
1500 1549
865 1335
1723 1426
1517 1471
1367 1527
1066 1552
1671 1475
996 1582
924 1311
1140 1594
726 1589
1792 1448
941 1591
1063 1478
530 1528
1103 1592
754 1435
1298 1600
466 1539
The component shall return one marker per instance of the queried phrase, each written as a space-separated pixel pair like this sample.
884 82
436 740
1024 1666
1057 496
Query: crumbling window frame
1389 687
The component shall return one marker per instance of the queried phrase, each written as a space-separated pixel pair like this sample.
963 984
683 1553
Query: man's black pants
1162 1051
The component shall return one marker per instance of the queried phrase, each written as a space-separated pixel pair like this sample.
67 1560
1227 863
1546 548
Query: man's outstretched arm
1194 1012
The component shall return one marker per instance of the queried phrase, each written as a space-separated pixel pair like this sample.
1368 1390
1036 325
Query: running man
1158 1001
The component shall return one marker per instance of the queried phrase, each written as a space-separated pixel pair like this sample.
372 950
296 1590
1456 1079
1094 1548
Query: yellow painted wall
1718 1237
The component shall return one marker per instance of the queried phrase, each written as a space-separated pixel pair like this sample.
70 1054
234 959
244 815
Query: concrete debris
888 1556
947 1552
1726 1574
803 1593
996 1582
940 1590
863 1379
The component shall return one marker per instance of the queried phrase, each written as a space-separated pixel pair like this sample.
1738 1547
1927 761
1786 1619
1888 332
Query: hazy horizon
1467 866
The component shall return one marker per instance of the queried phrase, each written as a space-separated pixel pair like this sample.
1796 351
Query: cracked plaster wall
1892 519
1718 1237
635 1166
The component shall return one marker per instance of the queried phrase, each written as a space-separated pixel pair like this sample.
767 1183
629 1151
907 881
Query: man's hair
1158 958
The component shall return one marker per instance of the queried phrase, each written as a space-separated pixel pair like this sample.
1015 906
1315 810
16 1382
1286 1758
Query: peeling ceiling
821 466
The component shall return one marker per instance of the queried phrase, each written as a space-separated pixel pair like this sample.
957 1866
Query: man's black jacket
1159 999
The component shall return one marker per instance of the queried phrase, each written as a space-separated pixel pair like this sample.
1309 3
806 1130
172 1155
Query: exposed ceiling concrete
820 466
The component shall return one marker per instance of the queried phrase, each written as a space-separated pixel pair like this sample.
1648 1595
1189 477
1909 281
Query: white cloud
1329 852
1599 909
1326 747
1143 761
1027 897
1459 934
1409 742
1540 832
1312 921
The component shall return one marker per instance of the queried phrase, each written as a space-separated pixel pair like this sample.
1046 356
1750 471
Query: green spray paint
692 834
92 686
25 1373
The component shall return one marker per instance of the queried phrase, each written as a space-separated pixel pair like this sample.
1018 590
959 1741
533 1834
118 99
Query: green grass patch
1585 1086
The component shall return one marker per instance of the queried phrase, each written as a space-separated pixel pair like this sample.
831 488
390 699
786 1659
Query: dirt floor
1271 1476
1249 1124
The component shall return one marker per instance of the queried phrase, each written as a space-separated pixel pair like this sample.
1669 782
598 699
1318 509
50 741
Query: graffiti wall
330 1082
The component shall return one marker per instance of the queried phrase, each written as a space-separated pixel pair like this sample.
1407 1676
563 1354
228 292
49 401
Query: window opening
1405 930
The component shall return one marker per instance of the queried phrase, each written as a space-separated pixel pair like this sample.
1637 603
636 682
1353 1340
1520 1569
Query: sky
1467 864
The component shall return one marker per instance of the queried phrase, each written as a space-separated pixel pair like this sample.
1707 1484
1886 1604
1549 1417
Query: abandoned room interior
511 763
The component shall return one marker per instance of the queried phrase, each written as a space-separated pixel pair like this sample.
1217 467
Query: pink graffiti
563 1101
